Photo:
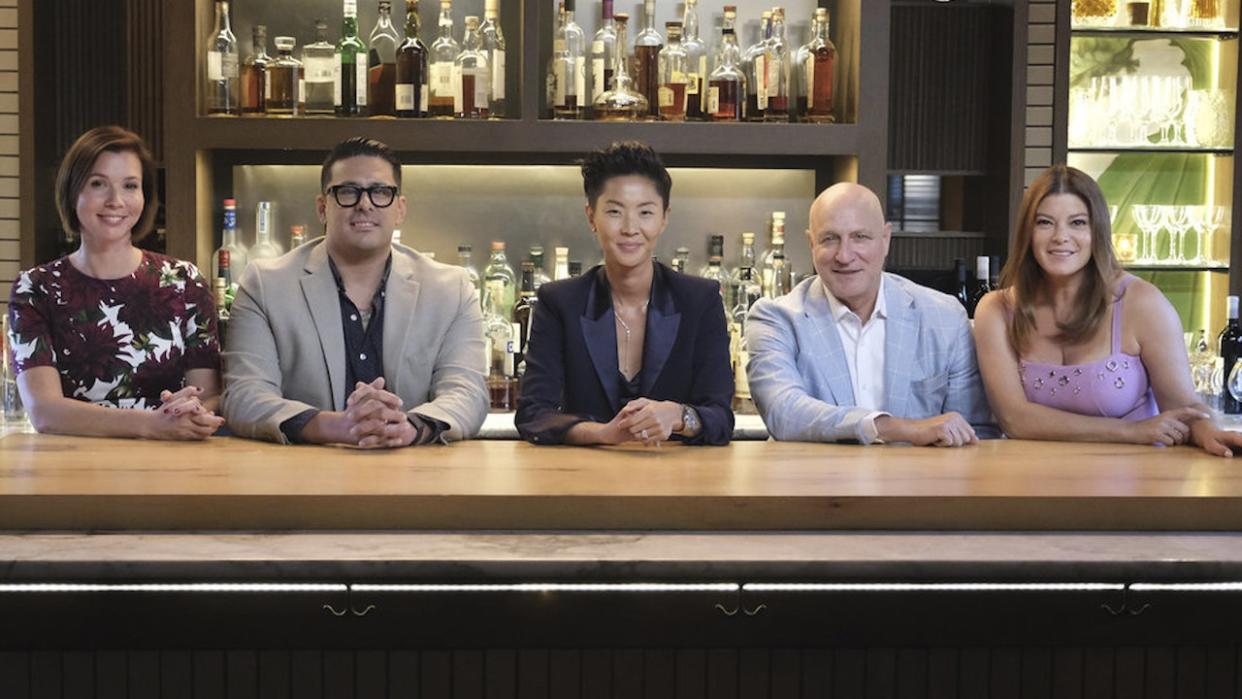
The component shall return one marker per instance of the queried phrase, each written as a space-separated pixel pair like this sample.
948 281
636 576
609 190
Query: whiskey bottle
674 75
748 291
297 236
536 259
981 286
681 258
444 51
604 49
776 234
464 255
319 65
264 247
622 102
567 74
560 265
696 59
494 49
647 45
755 69
471 75
524 309
815 67
498 330
221 86
782 275
499 282
411 87
230 243
746 273
727 84
221 287
775 88
254 86
382 64
285 74
714 269
350 93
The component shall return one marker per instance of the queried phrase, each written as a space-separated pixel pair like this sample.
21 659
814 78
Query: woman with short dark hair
110 325
630 350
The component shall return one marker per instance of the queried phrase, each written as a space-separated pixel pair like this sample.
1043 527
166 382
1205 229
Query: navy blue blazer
571 360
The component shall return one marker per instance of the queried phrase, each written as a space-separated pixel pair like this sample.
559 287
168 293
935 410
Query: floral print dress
115 342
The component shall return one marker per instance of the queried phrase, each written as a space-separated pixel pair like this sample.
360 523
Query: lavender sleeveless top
1115 386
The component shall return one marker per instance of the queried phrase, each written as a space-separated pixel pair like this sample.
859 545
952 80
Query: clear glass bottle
774 93
297 235
465 253
536 259
382 64
523 310
254 86
319 66
603 56
782 278
501 341
647 45
499 282
567 74
777 238
674 75
623 102
726 89
350 93
815 68
744 280
220 89
444 51
411 87
575 268
560 266
285 74
494 49
696 59
715 269
752 64
681 258
264 247
230 242
471 75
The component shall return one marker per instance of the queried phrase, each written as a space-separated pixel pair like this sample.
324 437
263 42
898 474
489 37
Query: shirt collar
840 310
379 290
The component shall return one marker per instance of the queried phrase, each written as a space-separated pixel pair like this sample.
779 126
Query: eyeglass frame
335 191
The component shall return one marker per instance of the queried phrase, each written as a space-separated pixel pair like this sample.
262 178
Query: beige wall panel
1041 33
1039 136
1039 75
1039 116
1035 95
1038 157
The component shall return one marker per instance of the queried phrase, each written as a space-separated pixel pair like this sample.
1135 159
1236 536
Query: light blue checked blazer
800 381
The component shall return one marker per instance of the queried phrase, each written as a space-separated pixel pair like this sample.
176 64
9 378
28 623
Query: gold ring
644 434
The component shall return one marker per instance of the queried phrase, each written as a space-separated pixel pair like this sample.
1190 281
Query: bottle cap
560 251
981 267
472 22
1231 304
491 8
230 203
464 248
498 245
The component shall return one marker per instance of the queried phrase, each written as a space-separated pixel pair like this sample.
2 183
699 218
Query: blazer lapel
661 334
599 331
319 291
836 369
400 307
901 331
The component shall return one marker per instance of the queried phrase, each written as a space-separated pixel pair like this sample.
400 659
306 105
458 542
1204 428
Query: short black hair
359 145
620 159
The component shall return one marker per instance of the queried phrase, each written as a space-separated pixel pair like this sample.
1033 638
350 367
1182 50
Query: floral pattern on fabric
115 342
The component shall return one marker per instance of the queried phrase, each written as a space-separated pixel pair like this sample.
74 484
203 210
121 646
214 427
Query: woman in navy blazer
630 350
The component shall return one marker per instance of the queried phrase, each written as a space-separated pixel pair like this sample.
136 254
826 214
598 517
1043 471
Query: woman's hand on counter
181 416
1212 439
1168 429
650 421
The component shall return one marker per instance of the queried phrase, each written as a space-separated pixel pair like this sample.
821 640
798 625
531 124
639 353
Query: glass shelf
1157 32
1174 268
1181 150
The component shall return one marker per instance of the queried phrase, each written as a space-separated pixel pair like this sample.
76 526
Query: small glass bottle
782 276
752 64
815 67
767 269
696 59
536 259
560 265
727 85
471 75
774 96
567 73
674 75
319 65
444 51
499 282
230 242
297 235
221 86
285 74
411 87
465 253
502 341
603 55
524 309
382 64
681 258
744 279
264 247
714 269
622 102
647 45
494 49
254 86
575 268
350 89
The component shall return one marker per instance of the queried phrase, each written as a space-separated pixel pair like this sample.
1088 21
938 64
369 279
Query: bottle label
301 91
666 97
498 73
558 46
597 48
336 81
422 104
693 81
597 76
482 89
319 70
360 83
579 68
228 65
713 100
405 98
776 86
558 74
267 87
677 76
350 8
809 84
441 79
215 63
761 81
458 101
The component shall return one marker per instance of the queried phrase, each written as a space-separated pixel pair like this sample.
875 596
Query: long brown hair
1025 278
76 166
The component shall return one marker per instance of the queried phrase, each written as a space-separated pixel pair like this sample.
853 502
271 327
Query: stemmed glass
1198 217
1234 383
1149 218
1213 220
1177 220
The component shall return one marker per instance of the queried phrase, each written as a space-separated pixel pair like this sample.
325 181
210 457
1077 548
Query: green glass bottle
350 93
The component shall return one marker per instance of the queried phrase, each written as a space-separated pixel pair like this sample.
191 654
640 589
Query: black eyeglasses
347 195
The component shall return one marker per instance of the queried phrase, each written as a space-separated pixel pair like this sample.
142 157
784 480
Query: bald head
849 241
861 202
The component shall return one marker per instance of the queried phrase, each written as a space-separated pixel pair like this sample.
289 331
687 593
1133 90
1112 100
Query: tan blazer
286 348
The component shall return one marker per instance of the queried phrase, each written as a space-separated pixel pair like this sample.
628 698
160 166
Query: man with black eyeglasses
352 339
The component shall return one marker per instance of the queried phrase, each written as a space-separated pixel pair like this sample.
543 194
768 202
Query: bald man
857 354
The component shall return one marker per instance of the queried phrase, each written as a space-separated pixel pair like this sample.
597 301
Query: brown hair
1024 277
76 166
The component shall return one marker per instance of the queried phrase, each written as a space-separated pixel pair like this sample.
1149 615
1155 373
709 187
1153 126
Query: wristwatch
689 421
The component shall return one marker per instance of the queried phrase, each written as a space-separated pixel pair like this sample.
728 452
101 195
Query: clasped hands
373 418
181 415
644 420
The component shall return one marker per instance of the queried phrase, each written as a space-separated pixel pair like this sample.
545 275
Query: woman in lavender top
1074 348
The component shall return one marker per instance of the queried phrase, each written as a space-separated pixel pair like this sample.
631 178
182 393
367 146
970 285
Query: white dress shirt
863 343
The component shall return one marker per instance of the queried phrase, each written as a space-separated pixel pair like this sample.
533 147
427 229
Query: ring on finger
644 433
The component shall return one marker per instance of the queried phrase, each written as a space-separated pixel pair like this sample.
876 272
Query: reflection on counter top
500 426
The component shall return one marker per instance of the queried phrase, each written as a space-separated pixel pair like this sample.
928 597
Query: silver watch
689 420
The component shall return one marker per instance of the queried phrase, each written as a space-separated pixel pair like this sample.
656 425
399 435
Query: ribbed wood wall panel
940 88
10 183
1040 75
933 251
89 78
145 65
717 673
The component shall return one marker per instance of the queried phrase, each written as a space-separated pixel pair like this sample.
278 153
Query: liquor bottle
815 68
498 330
981 285
499 282
727 83
297 236
350 93
254 87
220 286
675 73
494 49
471 75
444 51
681 258
229 242
536 259
774 96
560 265
567 74
746 267
696 59
714 269
961 290
782 274
382 64
1230 344
264 247
464 255
524 309
749 290
621 102
411 88
319 65
647 45
994 270
285 76
776 236
575 268
220 93
753 66
604 49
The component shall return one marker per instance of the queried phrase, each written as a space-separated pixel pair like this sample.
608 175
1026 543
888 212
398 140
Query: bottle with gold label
674 75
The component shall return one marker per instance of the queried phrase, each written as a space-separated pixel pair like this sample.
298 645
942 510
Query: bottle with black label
1230 351
981 286
962 287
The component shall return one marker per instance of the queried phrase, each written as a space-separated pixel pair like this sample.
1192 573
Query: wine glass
1177 220
1234 383
1149 218
1198 216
